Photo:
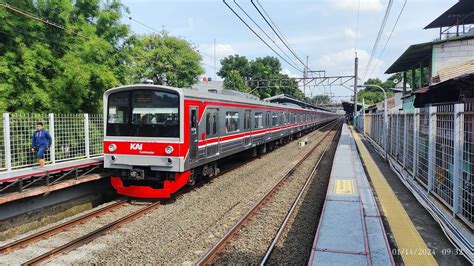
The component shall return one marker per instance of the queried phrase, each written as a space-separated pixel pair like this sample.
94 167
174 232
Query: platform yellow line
411 246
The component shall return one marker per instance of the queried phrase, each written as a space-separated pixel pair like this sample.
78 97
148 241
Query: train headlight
112 147
169 149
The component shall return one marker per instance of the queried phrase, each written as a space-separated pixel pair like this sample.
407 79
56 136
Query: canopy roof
462 13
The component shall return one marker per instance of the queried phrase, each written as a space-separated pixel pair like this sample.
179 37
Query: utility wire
275 25
243 21
264 32
389 36
144 25
276 33
377 40
43 20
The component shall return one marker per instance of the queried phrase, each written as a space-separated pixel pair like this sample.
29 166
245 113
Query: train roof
195 93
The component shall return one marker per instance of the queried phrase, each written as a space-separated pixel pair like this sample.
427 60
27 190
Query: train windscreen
143 113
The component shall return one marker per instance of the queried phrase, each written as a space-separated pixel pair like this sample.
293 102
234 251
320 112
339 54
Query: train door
193 140
247 138
212 136
268 121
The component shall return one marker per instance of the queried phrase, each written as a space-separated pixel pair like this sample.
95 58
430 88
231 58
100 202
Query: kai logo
135 146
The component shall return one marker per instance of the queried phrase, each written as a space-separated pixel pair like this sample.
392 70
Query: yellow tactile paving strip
411 246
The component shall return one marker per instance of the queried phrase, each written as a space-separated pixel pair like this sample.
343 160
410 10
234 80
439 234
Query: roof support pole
413 80
404 83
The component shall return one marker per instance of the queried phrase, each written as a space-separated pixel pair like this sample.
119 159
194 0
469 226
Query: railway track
47 233
210 256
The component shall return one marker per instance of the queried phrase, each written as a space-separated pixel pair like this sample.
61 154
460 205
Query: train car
159 138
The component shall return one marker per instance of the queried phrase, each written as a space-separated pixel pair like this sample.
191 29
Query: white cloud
349 33
288 72
365 5
342 63
222 49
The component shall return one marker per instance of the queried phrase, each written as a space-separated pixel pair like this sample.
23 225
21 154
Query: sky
324 30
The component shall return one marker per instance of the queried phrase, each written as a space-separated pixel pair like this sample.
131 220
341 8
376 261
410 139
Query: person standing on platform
41 142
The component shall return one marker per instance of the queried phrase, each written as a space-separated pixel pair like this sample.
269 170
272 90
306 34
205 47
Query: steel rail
45 257
209 256
295 204
20 243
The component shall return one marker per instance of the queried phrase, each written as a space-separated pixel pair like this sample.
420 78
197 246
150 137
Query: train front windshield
143 113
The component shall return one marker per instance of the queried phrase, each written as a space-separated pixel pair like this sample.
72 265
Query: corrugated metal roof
462 13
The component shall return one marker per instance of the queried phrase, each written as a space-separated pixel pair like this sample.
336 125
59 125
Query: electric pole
305 76
356 65
215 72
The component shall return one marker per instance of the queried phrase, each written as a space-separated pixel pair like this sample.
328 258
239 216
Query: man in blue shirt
41 142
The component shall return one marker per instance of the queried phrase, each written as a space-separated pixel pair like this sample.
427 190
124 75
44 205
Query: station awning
415 56
450 91
462 13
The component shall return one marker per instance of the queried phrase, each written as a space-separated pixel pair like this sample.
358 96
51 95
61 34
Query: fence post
457 155
86 135
52 149
7 141
405 132
416 122
431 146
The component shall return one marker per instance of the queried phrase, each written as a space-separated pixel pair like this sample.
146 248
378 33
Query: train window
247 119
268 119
193 118
275 119
294 119
214 124
258 120
211 122
232 122
208 123
143 113
118 108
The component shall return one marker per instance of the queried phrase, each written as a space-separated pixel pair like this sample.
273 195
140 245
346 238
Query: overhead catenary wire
379 35
264 32
388 39
144 25
275 25
256 34
277 34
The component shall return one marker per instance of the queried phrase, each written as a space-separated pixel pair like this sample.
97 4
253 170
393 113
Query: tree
373 95
46 69
321 99
234 81
263 76
165 59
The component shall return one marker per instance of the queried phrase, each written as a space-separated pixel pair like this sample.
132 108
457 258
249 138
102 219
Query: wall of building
451 53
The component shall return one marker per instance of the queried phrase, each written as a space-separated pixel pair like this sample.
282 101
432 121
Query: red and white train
161 138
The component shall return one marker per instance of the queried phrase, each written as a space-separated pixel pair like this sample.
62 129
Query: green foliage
45 69
321 99
167 60
238 71
373 95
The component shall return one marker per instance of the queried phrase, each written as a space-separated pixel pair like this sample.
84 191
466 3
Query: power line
256 34
377 40
43 20
264 32
276 33
275 25
388 39
144 25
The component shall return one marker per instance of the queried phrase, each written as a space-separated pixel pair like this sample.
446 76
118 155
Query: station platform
33 181
350 230
25 173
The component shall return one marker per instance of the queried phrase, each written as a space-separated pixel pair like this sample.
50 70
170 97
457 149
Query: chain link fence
75 136
435 146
